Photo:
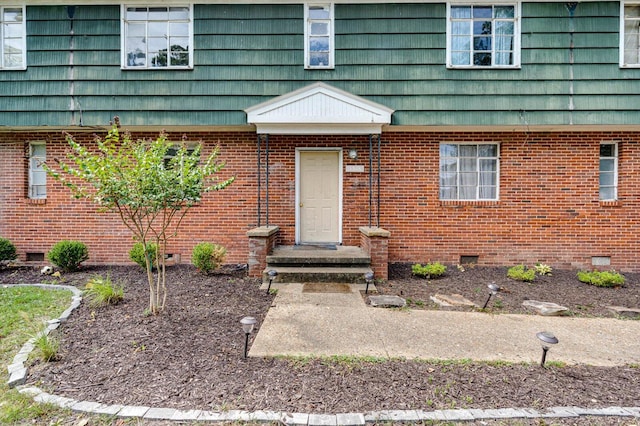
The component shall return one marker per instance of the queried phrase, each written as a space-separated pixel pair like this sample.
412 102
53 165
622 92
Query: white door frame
339 151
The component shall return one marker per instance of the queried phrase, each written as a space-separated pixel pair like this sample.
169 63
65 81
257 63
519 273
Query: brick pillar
375 242
262 241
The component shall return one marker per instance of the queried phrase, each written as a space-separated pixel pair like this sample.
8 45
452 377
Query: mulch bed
190 357
561 287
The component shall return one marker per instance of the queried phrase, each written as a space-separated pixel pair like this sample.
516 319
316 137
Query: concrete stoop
300 264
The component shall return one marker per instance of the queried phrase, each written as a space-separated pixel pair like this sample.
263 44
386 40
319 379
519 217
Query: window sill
477 203
611 203
482 67
36 201
184 68
310 68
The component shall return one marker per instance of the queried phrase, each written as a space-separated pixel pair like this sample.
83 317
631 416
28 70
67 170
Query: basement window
35 257
601 261
469 260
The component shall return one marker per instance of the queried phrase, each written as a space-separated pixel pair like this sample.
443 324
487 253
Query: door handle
301 205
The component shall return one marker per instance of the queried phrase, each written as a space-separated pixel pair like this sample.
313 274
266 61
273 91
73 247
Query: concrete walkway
342 324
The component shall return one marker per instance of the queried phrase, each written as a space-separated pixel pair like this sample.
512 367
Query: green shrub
521 273
602 279
47 347
7 250
430 270
101 291
207 257
136 254
543 269
68 255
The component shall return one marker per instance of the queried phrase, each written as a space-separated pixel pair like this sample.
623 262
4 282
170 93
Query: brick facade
548 209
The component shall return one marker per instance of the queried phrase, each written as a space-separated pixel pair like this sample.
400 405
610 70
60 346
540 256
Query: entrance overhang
319 109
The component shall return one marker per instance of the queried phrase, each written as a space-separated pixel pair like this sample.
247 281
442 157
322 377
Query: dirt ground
190 357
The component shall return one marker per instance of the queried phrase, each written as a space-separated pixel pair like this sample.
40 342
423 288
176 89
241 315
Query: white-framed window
483 35
172 151
469 171
608 171
37 174
318 36
12 38
629 34
157 37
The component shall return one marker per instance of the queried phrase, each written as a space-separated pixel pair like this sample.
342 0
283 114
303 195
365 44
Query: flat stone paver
385 301
452 300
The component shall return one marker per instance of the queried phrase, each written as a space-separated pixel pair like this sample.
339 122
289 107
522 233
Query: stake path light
546 339
247 326
368 277
493 289
272 276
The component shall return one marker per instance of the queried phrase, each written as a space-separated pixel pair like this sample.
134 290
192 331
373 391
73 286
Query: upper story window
37 174
630 35
12 38
318 36
481 36
157 37
469 171
608 171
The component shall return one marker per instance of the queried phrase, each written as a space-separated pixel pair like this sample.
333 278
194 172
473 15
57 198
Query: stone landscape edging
18 375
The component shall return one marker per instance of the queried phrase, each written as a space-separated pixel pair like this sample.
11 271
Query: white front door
319 195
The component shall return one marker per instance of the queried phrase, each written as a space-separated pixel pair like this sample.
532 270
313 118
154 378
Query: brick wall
548 209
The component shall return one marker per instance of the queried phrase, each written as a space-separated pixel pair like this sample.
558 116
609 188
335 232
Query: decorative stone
547 309
440 302
385 301
452 300
625 312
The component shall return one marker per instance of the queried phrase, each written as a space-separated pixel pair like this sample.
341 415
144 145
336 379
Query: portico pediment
319 109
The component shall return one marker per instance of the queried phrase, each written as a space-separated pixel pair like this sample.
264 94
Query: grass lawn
24 313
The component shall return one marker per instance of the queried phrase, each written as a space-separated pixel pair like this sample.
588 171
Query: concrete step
304 274
318 256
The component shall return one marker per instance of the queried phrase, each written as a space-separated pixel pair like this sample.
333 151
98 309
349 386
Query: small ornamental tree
149 189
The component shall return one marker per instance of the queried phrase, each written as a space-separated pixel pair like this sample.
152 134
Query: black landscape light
546 339
493 289
368 277
272 276
247 327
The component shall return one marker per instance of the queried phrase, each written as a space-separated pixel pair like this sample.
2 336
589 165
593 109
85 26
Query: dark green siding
393 54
